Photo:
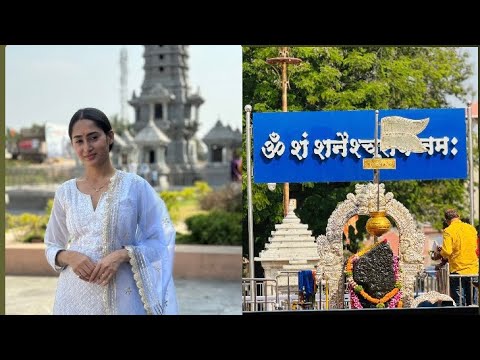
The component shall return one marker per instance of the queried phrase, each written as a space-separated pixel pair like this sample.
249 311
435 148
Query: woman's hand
108 266
81 264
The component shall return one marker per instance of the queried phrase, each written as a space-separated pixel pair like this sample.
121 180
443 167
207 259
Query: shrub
171 199
188 193
202 188
48 209
217 227
228 198
26 226
33 236
11 221
188 196
183 239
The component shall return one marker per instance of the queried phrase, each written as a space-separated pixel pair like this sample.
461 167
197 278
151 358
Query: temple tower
291 248
166 94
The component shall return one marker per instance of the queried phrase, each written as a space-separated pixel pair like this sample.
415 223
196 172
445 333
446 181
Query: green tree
353 78
119 125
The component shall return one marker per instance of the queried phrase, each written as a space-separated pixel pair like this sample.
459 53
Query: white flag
401 133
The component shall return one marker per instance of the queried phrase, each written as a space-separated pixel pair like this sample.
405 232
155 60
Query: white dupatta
152 251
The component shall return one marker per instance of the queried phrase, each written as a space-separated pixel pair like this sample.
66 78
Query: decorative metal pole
284 59
391 128
470 161
251 248
376 172
378 224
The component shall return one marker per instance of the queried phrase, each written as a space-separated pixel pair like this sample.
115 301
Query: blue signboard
329 146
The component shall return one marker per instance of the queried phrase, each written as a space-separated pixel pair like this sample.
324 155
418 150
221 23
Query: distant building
166 123
221 141
118 149
31 144
166 100
152 145
130 152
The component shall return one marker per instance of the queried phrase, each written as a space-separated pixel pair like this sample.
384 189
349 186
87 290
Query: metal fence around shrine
269 295
439 280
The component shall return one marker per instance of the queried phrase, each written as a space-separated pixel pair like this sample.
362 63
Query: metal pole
251 248
470 163
284 59
470 169
376 133
376 172
288 291
286 186
470 160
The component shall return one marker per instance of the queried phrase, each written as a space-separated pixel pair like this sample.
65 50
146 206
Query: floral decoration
391 299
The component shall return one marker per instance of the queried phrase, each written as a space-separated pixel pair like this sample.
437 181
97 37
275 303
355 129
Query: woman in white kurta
109 234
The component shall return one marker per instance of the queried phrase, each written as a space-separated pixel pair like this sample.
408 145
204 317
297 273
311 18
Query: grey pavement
34 295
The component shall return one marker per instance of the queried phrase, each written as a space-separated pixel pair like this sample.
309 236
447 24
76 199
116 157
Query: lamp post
251 244
284 59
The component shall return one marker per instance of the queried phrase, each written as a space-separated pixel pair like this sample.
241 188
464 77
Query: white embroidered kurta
129 214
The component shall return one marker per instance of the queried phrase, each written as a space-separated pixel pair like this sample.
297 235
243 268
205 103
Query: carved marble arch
330 245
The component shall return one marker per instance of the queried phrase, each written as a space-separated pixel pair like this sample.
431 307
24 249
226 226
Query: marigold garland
393 297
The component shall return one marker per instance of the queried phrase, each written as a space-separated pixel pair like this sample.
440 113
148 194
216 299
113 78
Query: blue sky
49 83
473 81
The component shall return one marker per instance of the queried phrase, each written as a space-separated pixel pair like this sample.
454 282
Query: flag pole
251 249
284 59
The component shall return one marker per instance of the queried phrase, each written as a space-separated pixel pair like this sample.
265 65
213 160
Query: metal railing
265 296
293 299
469 283
270 295
17 176
427 281
439 281
289 300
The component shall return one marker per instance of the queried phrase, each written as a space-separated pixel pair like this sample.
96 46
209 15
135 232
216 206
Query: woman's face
90 143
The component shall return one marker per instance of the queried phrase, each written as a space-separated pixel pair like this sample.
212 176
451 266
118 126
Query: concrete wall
191 261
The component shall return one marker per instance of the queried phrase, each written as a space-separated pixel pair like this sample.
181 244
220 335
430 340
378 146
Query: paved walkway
33 295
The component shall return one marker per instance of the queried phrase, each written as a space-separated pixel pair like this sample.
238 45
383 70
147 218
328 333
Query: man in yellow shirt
459 248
